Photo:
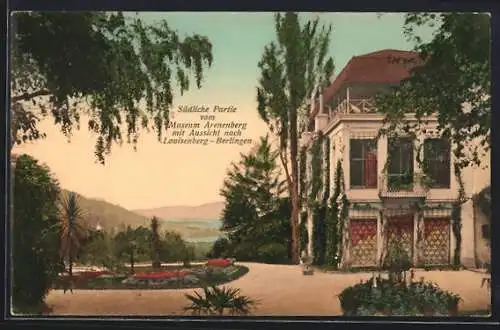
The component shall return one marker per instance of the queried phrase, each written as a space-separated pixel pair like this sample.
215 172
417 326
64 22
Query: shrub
272 253
217 301
397 262
35 233
220 248
384 296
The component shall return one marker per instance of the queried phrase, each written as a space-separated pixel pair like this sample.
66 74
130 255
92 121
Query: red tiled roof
375 67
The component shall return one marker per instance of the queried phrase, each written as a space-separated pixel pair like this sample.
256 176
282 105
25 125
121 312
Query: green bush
272 253
383 296
397 262
35 234
220 248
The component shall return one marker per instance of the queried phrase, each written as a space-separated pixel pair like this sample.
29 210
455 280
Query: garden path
282 290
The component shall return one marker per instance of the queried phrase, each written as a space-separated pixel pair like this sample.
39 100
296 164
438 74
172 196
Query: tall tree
124 85
126 245
292 69
252 215
73 230
173 247
35 233
452 81
155 243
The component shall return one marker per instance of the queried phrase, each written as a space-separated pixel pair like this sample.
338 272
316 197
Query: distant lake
215 224
208 239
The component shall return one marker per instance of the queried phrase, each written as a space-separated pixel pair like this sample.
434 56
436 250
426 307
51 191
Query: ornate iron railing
355 106
402 185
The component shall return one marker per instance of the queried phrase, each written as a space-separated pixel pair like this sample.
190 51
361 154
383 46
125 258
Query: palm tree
155 243
72 229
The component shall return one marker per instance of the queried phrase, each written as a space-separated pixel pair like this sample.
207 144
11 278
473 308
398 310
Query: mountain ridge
206 211
110 216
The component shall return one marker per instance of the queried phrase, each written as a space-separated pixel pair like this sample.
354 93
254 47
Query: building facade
399 190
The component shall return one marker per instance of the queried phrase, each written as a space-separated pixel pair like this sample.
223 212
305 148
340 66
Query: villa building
398 189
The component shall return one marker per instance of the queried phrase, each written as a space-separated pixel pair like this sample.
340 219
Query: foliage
35 233
220 248
219 300
317 172
397 262
98 248
334 228
320 210
382 296
319 214
73 230
174 249
53 74
274 252
129 244
303 233
292 69
303 182
453 71
335 220
254 213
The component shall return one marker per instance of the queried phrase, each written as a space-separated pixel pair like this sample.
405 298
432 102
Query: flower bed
384 297
193 277
162 275
82 276
220 262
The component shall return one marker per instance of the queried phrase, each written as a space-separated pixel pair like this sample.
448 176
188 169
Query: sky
158 175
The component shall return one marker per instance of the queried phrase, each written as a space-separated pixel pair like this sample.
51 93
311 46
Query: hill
209 211
111 216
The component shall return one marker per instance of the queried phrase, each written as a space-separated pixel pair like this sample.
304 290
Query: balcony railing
348 106
398 185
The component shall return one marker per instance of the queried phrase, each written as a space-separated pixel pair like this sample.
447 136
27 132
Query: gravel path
282 290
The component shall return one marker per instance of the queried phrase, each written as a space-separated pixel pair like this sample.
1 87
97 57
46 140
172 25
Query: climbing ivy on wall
326 161
332 221
321 209
343 206
456 216
303 235
317 167
302 172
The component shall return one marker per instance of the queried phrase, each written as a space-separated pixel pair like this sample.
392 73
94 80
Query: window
437 162
485 229
363 163
400 163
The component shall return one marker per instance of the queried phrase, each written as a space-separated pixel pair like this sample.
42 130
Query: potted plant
452 304
307 264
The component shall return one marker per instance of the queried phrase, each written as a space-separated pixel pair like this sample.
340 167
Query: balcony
349 106
402 186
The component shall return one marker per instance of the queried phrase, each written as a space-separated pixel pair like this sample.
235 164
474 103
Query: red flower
219 262
180 273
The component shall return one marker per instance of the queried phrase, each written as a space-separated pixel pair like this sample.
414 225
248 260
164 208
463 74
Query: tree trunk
293 248
70 261
132 261
295 186
156 264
